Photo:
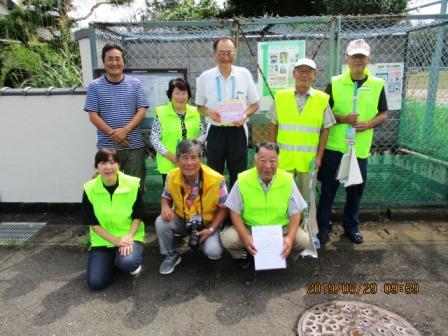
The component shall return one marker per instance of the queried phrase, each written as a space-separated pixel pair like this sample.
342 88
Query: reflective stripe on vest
210 194
307 129
114 213
292 148
367 108
262 208
298 133
172 131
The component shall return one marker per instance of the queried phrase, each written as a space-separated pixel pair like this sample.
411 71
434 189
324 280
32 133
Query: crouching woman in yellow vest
113 207
174 122
264 195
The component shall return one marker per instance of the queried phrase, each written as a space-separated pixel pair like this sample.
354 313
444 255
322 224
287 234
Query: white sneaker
137 271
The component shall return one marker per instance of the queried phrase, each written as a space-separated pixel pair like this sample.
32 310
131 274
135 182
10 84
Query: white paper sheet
268 241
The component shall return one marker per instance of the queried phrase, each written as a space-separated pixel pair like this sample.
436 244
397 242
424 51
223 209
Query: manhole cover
11 233
349 318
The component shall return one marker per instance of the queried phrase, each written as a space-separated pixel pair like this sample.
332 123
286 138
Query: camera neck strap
200 192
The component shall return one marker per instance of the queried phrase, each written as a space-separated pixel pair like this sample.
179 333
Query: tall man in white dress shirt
226 142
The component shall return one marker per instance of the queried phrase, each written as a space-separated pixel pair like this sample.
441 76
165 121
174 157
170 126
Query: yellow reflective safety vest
172 131
298 132
262 208
114 213
367 107
211 181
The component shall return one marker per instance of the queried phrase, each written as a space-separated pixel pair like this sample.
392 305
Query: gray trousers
211 247
132 162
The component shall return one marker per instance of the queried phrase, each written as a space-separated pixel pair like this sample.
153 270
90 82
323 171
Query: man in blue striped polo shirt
116 105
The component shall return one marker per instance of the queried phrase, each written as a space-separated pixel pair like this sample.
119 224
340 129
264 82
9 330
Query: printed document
268 241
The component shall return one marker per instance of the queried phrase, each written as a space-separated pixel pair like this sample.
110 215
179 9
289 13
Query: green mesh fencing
409 161
412 134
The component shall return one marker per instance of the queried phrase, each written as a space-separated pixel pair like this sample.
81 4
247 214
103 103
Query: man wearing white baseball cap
300 120
356 86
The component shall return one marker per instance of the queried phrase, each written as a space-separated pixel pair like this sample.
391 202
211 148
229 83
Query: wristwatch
211 229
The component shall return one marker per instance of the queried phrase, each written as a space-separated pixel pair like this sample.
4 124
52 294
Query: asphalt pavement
43 289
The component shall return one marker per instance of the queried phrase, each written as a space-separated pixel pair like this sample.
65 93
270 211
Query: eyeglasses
228 53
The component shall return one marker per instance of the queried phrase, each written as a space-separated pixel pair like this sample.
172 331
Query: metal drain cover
350 318
11 233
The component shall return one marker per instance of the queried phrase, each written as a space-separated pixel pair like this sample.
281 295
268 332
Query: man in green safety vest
263 195
300 121
371 111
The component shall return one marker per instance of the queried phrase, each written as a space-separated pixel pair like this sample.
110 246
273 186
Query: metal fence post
406 68
434 78
232 32
334 46
337 63
331 49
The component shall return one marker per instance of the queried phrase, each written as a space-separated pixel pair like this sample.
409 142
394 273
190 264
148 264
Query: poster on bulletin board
277 60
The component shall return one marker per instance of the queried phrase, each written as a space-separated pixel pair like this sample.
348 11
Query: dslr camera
194 226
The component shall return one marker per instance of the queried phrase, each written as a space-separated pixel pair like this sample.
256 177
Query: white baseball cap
306 61
358 47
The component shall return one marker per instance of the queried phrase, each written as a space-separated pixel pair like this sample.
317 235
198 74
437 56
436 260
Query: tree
181 10
273 8
38 48
44 20
249 8
358 7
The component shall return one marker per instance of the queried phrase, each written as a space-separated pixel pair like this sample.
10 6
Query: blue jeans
102 261
329 186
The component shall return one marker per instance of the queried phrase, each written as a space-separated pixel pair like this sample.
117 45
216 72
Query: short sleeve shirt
212 87
116 104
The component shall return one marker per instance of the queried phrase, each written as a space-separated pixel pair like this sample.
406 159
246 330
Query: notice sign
392 73
277 60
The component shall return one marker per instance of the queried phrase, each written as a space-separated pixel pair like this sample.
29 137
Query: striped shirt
116 104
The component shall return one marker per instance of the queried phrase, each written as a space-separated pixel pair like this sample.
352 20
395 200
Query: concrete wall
47 148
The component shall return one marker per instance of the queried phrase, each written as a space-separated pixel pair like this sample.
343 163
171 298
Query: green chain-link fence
409 161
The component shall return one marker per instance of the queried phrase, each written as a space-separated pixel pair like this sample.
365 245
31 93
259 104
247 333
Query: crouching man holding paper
264 196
